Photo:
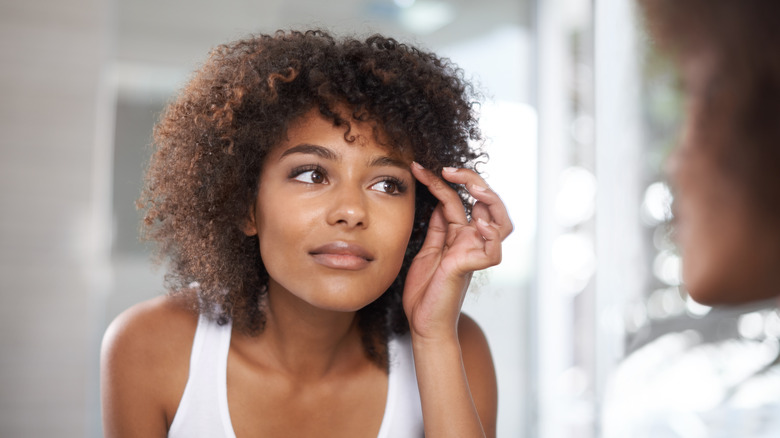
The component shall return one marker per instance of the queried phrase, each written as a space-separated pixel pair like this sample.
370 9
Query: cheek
396 229
703 226
405 224
282 226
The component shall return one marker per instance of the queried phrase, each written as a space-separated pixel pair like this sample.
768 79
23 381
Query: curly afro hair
212 139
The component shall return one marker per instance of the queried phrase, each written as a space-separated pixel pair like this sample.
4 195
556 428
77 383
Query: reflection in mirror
156 46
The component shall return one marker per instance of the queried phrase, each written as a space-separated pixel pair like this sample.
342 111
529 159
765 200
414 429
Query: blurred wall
50 56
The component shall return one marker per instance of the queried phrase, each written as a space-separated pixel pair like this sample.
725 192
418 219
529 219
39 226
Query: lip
342 255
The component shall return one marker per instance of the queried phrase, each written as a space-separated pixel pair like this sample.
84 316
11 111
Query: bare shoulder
144 366
480 371
148 324
472 339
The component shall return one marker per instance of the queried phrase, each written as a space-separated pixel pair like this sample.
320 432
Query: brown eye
388 186
311 177
316 177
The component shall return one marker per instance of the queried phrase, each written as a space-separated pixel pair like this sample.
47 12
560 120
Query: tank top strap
403 411
203 409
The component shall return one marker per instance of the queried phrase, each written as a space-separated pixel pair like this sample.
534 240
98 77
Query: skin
333 227
730 255
454 400
364 194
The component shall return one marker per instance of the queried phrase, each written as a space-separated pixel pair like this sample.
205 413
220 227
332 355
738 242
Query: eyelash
298 171
400 186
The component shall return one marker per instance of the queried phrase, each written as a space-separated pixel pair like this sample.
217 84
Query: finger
452 206
437 230
480 211
479 189
481 250
487 253
493 238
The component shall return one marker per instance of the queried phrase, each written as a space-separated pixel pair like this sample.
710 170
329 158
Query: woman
727 224
311 197
727 203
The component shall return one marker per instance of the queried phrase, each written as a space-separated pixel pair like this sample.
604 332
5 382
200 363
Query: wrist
444 340
434 329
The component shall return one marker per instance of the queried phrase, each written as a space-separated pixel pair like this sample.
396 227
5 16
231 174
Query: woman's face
333 217
728 257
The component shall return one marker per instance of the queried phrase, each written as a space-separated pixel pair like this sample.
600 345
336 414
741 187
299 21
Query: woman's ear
249 225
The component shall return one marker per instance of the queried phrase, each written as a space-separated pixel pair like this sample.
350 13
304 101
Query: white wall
50 52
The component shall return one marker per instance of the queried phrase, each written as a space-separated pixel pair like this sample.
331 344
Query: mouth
342 255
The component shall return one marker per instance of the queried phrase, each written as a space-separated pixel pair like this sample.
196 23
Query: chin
342 306
342 301
731 287
738 264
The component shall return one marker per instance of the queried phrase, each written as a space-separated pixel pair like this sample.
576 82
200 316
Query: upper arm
144 363
480 372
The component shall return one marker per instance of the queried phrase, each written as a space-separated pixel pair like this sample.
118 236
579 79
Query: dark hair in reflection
740 120
212 139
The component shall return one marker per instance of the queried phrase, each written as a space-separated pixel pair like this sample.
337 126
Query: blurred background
580 113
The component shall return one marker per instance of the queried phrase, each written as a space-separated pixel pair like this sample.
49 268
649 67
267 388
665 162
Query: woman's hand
453 249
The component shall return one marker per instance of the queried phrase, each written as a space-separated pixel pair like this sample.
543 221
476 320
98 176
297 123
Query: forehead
313 127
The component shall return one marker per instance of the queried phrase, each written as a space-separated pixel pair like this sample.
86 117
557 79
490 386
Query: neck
306 341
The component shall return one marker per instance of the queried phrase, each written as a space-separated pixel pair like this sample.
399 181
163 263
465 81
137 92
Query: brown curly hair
739 125
212 139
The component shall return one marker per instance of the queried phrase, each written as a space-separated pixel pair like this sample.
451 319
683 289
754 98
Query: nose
348 208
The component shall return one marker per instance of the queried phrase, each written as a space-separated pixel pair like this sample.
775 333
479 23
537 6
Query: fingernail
417 165
449 169
478 188
482 222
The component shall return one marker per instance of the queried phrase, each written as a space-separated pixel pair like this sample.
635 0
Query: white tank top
203 409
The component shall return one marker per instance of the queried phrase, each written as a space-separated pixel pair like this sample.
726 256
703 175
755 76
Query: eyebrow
310 149
383 161
323 152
